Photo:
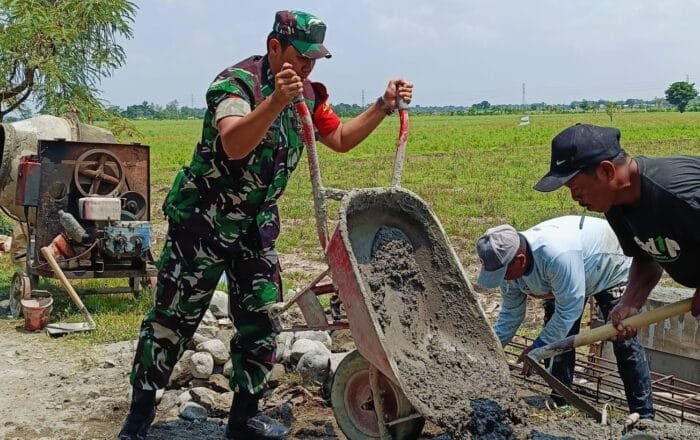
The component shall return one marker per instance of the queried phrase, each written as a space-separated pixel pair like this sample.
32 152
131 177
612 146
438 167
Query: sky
454 52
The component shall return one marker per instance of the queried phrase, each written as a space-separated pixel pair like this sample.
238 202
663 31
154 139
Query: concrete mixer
70 187
21 139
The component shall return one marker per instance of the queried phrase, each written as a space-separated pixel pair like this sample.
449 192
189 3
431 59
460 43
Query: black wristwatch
384 106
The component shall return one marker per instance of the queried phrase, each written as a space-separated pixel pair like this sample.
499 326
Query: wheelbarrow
378 390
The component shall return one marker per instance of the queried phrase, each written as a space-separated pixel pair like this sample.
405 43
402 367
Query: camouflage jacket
234 197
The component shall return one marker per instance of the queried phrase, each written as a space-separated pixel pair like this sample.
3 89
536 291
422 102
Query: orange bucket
36 313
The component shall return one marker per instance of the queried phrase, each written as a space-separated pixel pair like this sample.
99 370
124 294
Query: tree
680 93
610 109
171 110
57 51
483 105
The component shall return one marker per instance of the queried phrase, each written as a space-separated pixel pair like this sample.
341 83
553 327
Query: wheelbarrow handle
607 331
309 139
401 143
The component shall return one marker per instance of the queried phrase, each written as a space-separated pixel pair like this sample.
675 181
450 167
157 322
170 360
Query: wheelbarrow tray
433 342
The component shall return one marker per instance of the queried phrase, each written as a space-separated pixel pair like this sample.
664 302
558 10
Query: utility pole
363 98
687 78
523 100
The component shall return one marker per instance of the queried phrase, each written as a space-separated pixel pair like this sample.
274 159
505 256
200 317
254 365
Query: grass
474 172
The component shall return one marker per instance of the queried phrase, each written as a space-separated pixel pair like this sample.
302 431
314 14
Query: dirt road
55 391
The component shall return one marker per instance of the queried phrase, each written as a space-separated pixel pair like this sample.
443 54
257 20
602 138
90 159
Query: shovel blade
63 328
564 391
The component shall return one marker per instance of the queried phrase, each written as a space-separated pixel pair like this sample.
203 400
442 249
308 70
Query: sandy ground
50 392
54 393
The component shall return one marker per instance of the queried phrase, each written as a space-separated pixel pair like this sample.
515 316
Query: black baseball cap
578 147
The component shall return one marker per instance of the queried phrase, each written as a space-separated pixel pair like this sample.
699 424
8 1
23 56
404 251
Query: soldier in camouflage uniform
223 218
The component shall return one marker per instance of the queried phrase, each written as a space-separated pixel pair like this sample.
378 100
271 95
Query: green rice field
474 172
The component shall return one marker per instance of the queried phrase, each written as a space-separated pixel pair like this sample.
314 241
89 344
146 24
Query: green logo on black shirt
663 250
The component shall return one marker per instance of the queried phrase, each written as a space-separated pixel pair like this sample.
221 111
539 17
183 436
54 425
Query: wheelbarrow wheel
20 288
351 399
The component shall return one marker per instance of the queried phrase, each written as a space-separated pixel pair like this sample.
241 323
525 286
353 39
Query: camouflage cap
304 31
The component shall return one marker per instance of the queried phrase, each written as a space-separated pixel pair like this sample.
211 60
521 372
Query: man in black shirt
652 204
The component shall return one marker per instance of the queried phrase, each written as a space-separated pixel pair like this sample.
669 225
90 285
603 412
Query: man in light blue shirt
563 261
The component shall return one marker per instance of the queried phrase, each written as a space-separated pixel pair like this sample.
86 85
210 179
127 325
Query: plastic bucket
36 313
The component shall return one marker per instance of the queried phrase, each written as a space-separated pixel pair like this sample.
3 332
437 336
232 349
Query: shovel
62 328
588 337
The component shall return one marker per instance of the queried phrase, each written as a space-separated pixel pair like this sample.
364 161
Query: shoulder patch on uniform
320 91
233 106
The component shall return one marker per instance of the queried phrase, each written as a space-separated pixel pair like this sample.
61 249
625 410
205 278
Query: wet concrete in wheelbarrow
450 365
448 361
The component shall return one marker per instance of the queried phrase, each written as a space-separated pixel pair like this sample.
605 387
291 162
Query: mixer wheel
99 172
20 288
351 399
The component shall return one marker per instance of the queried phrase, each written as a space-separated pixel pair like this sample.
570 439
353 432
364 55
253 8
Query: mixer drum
21 138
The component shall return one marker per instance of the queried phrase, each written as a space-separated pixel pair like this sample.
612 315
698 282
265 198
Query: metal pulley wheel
20 288
134 203
353 406
99 172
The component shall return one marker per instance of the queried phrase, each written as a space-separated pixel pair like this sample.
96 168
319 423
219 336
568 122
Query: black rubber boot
141 415
245 423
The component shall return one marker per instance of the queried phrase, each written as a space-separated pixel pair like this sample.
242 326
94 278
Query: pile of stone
199 385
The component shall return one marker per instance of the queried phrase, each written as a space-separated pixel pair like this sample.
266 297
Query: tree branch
19 88
15 104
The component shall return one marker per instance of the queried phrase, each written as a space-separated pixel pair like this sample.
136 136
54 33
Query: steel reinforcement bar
596 379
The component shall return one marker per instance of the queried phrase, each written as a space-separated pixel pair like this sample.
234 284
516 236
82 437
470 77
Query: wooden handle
48 254
638 321
608 331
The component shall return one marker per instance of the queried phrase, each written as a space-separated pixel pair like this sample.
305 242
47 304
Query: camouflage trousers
189 270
